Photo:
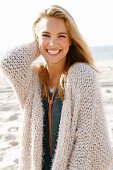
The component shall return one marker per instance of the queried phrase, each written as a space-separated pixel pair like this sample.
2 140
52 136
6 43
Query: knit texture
83 142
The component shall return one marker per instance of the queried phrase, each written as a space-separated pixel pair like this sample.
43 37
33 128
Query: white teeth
53 52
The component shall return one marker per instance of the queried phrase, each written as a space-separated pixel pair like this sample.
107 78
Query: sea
102 53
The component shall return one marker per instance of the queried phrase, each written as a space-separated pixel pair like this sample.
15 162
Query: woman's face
53 39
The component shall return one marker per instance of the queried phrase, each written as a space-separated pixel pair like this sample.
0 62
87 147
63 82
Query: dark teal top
56 114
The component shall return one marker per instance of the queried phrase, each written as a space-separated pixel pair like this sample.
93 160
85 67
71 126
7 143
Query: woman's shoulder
82 74
82 77
82 69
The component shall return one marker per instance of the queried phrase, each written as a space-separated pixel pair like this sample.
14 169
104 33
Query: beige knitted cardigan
83 142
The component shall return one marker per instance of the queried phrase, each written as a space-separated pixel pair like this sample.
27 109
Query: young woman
64 126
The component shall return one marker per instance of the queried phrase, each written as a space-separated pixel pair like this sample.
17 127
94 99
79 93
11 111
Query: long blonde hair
78 50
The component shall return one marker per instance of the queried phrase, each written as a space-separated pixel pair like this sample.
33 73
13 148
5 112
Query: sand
11 116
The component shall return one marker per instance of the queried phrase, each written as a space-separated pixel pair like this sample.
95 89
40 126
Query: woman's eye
45 35
62 36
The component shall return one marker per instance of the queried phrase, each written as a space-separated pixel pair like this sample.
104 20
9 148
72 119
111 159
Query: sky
93 18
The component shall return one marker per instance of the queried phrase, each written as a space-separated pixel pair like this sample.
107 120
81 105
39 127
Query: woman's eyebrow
62 33
45 32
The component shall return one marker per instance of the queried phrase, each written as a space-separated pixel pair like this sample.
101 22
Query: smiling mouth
53 52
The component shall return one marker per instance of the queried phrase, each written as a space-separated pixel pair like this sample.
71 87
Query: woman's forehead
51 24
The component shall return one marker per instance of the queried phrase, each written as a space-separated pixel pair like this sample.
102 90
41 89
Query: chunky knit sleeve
91 150
16 66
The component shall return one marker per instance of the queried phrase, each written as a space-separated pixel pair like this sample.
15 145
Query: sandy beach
11 115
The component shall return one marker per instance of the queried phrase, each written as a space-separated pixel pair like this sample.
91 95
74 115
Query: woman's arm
16 66
91 149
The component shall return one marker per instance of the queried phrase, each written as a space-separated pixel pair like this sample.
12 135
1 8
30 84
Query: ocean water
102 53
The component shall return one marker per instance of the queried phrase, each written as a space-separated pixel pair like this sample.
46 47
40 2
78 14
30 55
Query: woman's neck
55 72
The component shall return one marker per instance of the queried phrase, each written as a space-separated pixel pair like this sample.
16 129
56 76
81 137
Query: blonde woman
64 126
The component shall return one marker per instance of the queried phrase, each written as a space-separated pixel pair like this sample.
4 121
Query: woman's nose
52 42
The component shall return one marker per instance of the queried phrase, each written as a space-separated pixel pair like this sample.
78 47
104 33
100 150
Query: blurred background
94 21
